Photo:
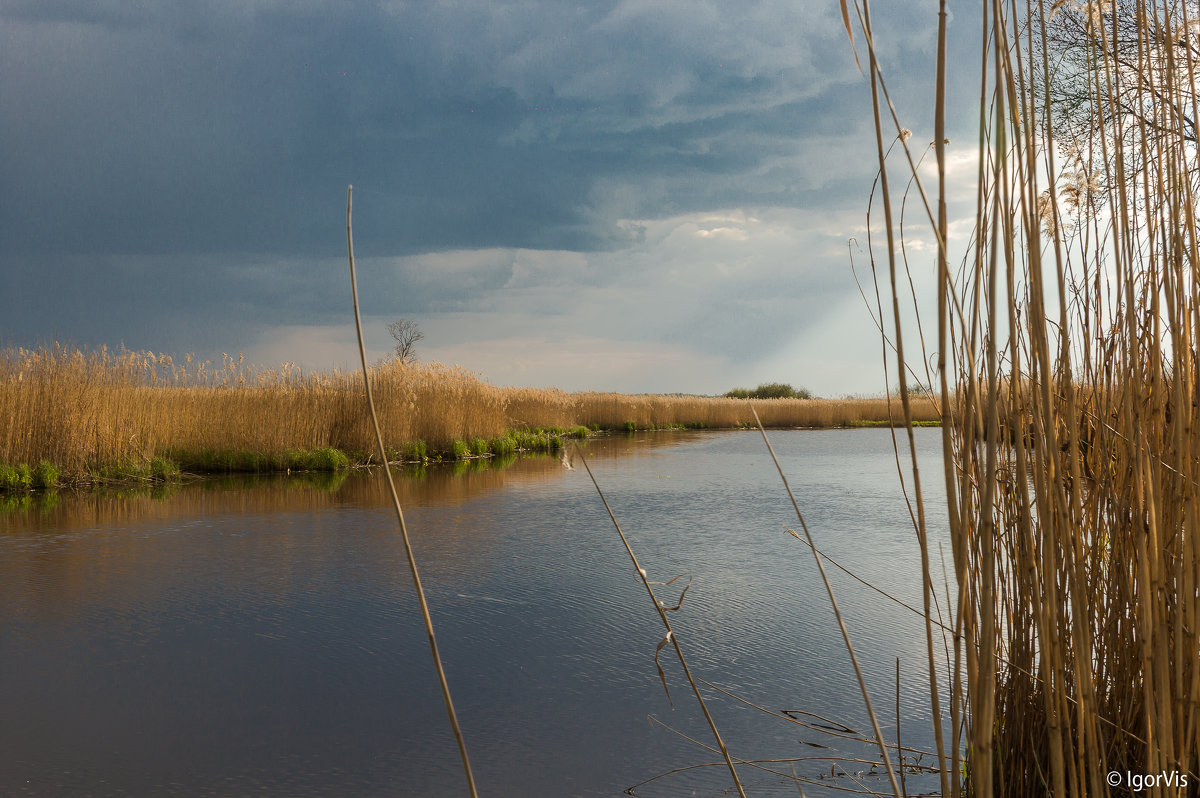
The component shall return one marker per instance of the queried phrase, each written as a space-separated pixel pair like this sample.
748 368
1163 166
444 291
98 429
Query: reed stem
671 636
837 614
408 551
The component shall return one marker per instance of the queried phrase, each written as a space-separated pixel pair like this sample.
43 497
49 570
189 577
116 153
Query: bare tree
1122 86
407 333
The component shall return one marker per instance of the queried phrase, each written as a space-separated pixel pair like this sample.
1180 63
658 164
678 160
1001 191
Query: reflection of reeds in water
67 546
447 484
1069 335
441 485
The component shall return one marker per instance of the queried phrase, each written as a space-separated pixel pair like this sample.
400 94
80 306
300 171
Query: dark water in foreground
263 638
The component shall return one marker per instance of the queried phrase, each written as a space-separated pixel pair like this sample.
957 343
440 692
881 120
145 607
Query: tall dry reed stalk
1067 347
410 557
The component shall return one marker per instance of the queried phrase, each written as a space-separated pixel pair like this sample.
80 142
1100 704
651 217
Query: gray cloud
142 130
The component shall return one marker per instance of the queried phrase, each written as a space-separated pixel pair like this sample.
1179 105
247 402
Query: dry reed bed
616 411
85 411
1073 454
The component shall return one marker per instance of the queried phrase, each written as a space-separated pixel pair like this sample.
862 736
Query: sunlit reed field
102 412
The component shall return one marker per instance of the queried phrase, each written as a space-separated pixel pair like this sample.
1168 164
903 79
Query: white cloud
733 233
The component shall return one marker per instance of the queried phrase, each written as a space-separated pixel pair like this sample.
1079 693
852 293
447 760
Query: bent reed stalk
662 610
1067 346
837 614
408 550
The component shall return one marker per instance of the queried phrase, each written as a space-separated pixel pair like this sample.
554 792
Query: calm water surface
263 638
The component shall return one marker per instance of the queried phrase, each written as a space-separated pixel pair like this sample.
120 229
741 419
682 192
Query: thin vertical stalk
408 551
943 280
899 744
905 400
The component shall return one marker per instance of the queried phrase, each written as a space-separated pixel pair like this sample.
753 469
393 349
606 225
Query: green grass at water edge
171 467
22 478
157 469
502 447
210 461
541 440
15 478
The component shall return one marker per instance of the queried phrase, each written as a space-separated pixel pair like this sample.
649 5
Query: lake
237 637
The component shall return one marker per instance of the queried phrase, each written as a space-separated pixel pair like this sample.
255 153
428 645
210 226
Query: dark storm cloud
219 128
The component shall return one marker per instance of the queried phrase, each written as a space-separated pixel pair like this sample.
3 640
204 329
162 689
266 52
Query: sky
624 195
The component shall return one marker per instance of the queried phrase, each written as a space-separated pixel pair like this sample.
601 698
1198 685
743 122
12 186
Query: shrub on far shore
770 390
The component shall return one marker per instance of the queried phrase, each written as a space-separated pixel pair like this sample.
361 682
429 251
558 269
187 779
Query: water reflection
236 636
443 483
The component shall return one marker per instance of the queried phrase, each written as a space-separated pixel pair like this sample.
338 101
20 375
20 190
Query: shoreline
69 416
176 467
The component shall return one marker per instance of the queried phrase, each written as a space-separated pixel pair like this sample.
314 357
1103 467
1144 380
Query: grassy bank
136 415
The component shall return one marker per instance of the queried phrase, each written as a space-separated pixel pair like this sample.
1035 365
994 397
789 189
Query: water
239 638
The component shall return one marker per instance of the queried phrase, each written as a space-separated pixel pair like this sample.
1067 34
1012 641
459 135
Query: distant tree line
770 390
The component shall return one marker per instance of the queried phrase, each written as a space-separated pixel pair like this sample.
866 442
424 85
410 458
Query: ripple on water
239 644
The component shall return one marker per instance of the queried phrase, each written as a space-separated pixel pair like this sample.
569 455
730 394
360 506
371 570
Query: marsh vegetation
104 414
